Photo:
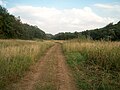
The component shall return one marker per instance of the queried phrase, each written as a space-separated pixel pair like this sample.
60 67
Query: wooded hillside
109 32
12 27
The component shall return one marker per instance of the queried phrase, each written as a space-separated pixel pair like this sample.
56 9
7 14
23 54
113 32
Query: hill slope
12 27
109 32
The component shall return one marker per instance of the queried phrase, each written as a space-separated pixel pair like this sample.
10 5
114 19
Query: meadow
95 64
16 57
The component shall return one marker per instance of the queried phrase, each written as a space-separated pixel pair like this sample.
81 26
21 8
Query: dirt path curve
50 73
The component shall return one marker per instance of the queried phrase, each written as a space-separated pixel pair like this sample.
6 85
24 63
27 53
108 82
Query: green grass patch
95 65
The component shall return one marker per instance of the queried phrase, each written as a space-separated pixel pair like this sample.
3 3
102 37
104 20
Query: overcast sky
53 16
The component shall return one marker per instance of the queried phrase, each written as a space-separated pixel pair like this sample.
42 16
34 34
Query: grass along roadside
16 56
95 64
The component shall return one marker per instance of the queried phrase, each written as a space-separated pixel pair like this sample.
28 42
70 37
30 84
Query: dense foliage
12 28
65 36
49 36
109 32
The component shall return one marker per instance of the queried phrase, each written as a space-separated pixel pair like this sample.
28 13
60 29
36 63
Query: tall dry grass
16 56
97 63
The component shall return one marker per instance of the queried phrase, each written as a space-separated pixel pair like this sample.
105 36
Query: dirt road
50 73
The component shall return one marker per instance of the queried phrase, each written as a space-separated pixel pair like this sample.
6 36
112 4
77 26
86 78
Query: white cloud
112 10
53 20
112 7
104 6
3 3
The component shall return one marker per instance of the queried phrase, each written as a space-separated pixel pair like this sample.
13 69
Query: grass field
16 56
95 64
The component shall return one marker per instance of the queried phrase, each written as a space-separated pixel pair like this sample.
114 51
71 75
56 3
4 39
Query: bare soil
50 73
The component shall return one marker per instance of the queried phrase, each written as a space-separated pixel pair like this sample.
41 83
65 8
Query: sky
54 16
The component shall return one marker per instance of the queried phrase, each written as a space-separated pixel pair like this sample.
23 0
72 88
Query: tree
12 27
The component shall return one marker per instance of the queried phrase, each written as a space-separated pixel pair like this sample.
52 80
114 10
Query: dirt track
50 73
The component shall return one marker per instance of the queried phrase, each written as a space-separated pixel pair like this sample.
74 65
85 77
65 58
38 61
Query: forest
11 27
109 32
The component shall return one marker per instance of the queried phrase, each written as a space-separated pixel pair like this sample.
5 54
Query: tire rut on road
50 73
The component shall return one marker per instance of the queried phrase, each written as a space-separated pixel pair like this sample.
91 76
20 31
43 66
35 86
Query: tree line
109 32
12 27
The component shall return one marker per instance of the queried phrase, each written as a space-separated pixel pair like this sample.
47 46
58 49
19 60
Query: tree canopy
109 32
11 27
